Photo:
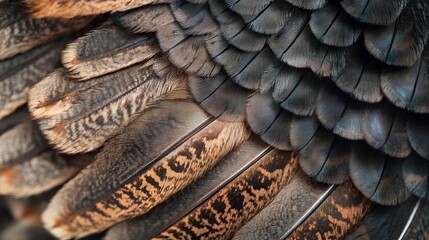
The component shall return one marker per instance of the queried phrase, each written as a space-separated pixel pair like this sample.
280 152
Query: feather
235 31
296 90
415 172
377 176
27 165
333 27
336 216
248 8
195 19
19 73
308 4
267 119
418 131
322 155
297 46
74 8
141 167
400 43
361 76
407 87
387 223
288 210
186 52
270 20
245 68
182 203
339 113
24 33
106 50
240 200
144 19
21 142
81 116
191 56
383 127
220 97
378 12
419 224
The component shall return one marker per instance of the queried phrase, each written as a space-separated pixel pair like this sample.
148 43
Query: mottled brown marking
337 215
167 176
234 205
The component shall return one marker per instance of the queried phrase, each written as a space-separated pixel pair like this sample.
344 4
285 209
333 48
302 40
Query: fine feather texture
377 12
419 224
370 127
417 131
290 207
81 116
239 201
323 155
383 128
334 27
336 216
339 113
267 119
415 171
297 46
182 203
24 33
386 222
408 87
134 179
105 50
27 165
378 176
295 90
400 43
19 73
361 76
220 96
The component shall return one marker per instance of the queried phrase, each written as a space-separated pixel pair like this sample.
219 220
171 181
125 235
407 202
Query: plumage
407 87
401 43
383 128
179 205
68 110
361 76
376 12
386 222
267 119
339 113
94 54
19 73
415 173
223 214
154 102
331 26
417 131
133 187
323 156
378 176
292 205
220 96
295 90
21 34
339 213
